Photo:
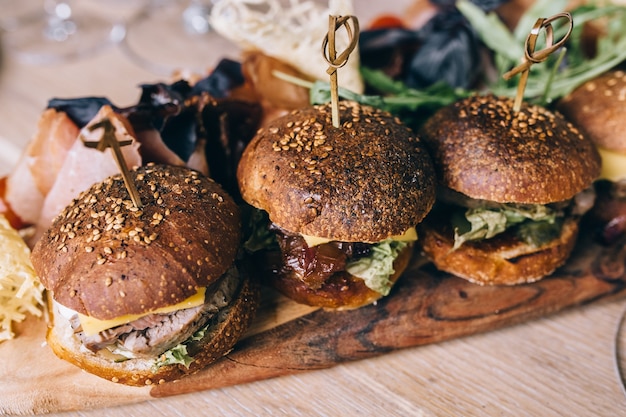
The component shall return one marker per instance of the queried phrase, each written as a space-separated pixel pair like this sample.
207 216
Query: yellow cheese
93 326
408 236
613 165
315 241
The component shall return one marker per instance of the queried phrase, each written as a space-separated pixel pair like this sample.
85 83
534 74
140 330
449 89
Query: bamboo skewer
534 57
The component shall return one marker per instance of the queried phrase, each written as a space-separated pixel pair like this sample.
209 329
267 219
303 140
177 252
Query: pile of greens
560 73
548 81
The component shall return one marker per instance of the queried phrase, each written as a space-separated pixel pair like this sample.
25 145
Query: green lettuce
179 354
260 237
485 223
376 268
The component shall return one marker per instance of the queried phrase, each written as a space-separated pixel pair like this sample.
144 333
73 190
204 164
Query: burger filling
534 224
314 263
610 210
165 337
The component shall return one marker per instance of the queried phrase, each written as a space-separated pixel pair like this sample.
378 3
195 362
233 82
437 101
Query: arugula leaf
492 31
556 77
539 9
376 268
411 105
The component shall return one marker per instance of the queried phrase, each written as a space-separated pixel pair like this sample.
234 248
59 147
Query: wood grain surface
426 306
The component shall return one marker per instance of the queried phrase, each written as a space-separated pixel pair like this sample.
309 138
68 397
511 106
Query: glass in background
188 44
54 31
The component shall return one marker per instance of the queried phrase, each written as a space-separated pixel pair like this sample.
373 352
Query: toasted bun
598 108
228 328
485 150
343 291
501 260
104 258
363 182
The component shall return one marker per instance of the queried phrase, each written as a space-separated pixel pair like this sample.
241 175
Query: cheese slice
613 165
92 326
409 235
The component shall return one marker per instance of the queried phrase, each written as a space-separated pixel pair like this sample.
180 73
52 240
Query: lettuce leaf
260 237
376 268
177 354
485 223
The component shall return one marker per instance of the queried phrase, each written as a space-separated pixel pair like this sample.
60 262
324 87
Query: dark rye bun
501 260
105 258
485 150
343 291
365 181
227 328
598 108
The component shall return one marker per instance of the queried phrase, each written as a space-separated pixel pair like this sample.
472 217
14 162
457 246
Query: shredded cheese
292 33
20 289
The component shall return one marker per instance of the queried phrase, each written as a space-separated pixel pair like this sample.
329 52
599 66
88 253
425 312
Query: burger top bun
365 181
105 258
485 150
598 108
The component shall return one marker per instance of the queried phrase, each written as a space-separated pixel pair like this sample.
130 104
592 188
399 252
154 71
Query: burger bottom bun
342 291
231 323
501 260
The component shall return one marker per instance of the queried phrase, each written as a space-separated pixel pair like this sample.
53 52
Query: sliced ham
22 193
55 135
85 166
39 165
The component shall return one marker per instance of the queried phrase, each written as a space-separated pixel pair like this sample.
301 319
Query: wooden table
559 365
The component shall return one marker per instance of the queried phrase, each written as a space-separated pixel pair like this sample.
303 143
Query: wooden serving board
426 306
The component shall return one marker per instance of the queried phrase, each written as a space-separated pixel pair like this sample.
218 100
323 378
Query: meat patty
154 334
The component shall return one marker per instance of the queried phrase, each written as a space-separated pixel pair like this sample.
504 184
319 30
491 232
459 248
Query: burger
512 189
335 208
143 295
598 108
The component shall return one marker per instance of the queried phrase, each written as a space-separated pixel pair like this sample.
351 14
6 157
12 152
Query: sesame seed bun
105 258
486 151
598 108
365 181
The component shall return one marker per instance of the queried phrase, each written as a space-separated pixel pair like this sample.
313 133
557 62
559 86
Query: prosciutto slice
39 165
83 167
